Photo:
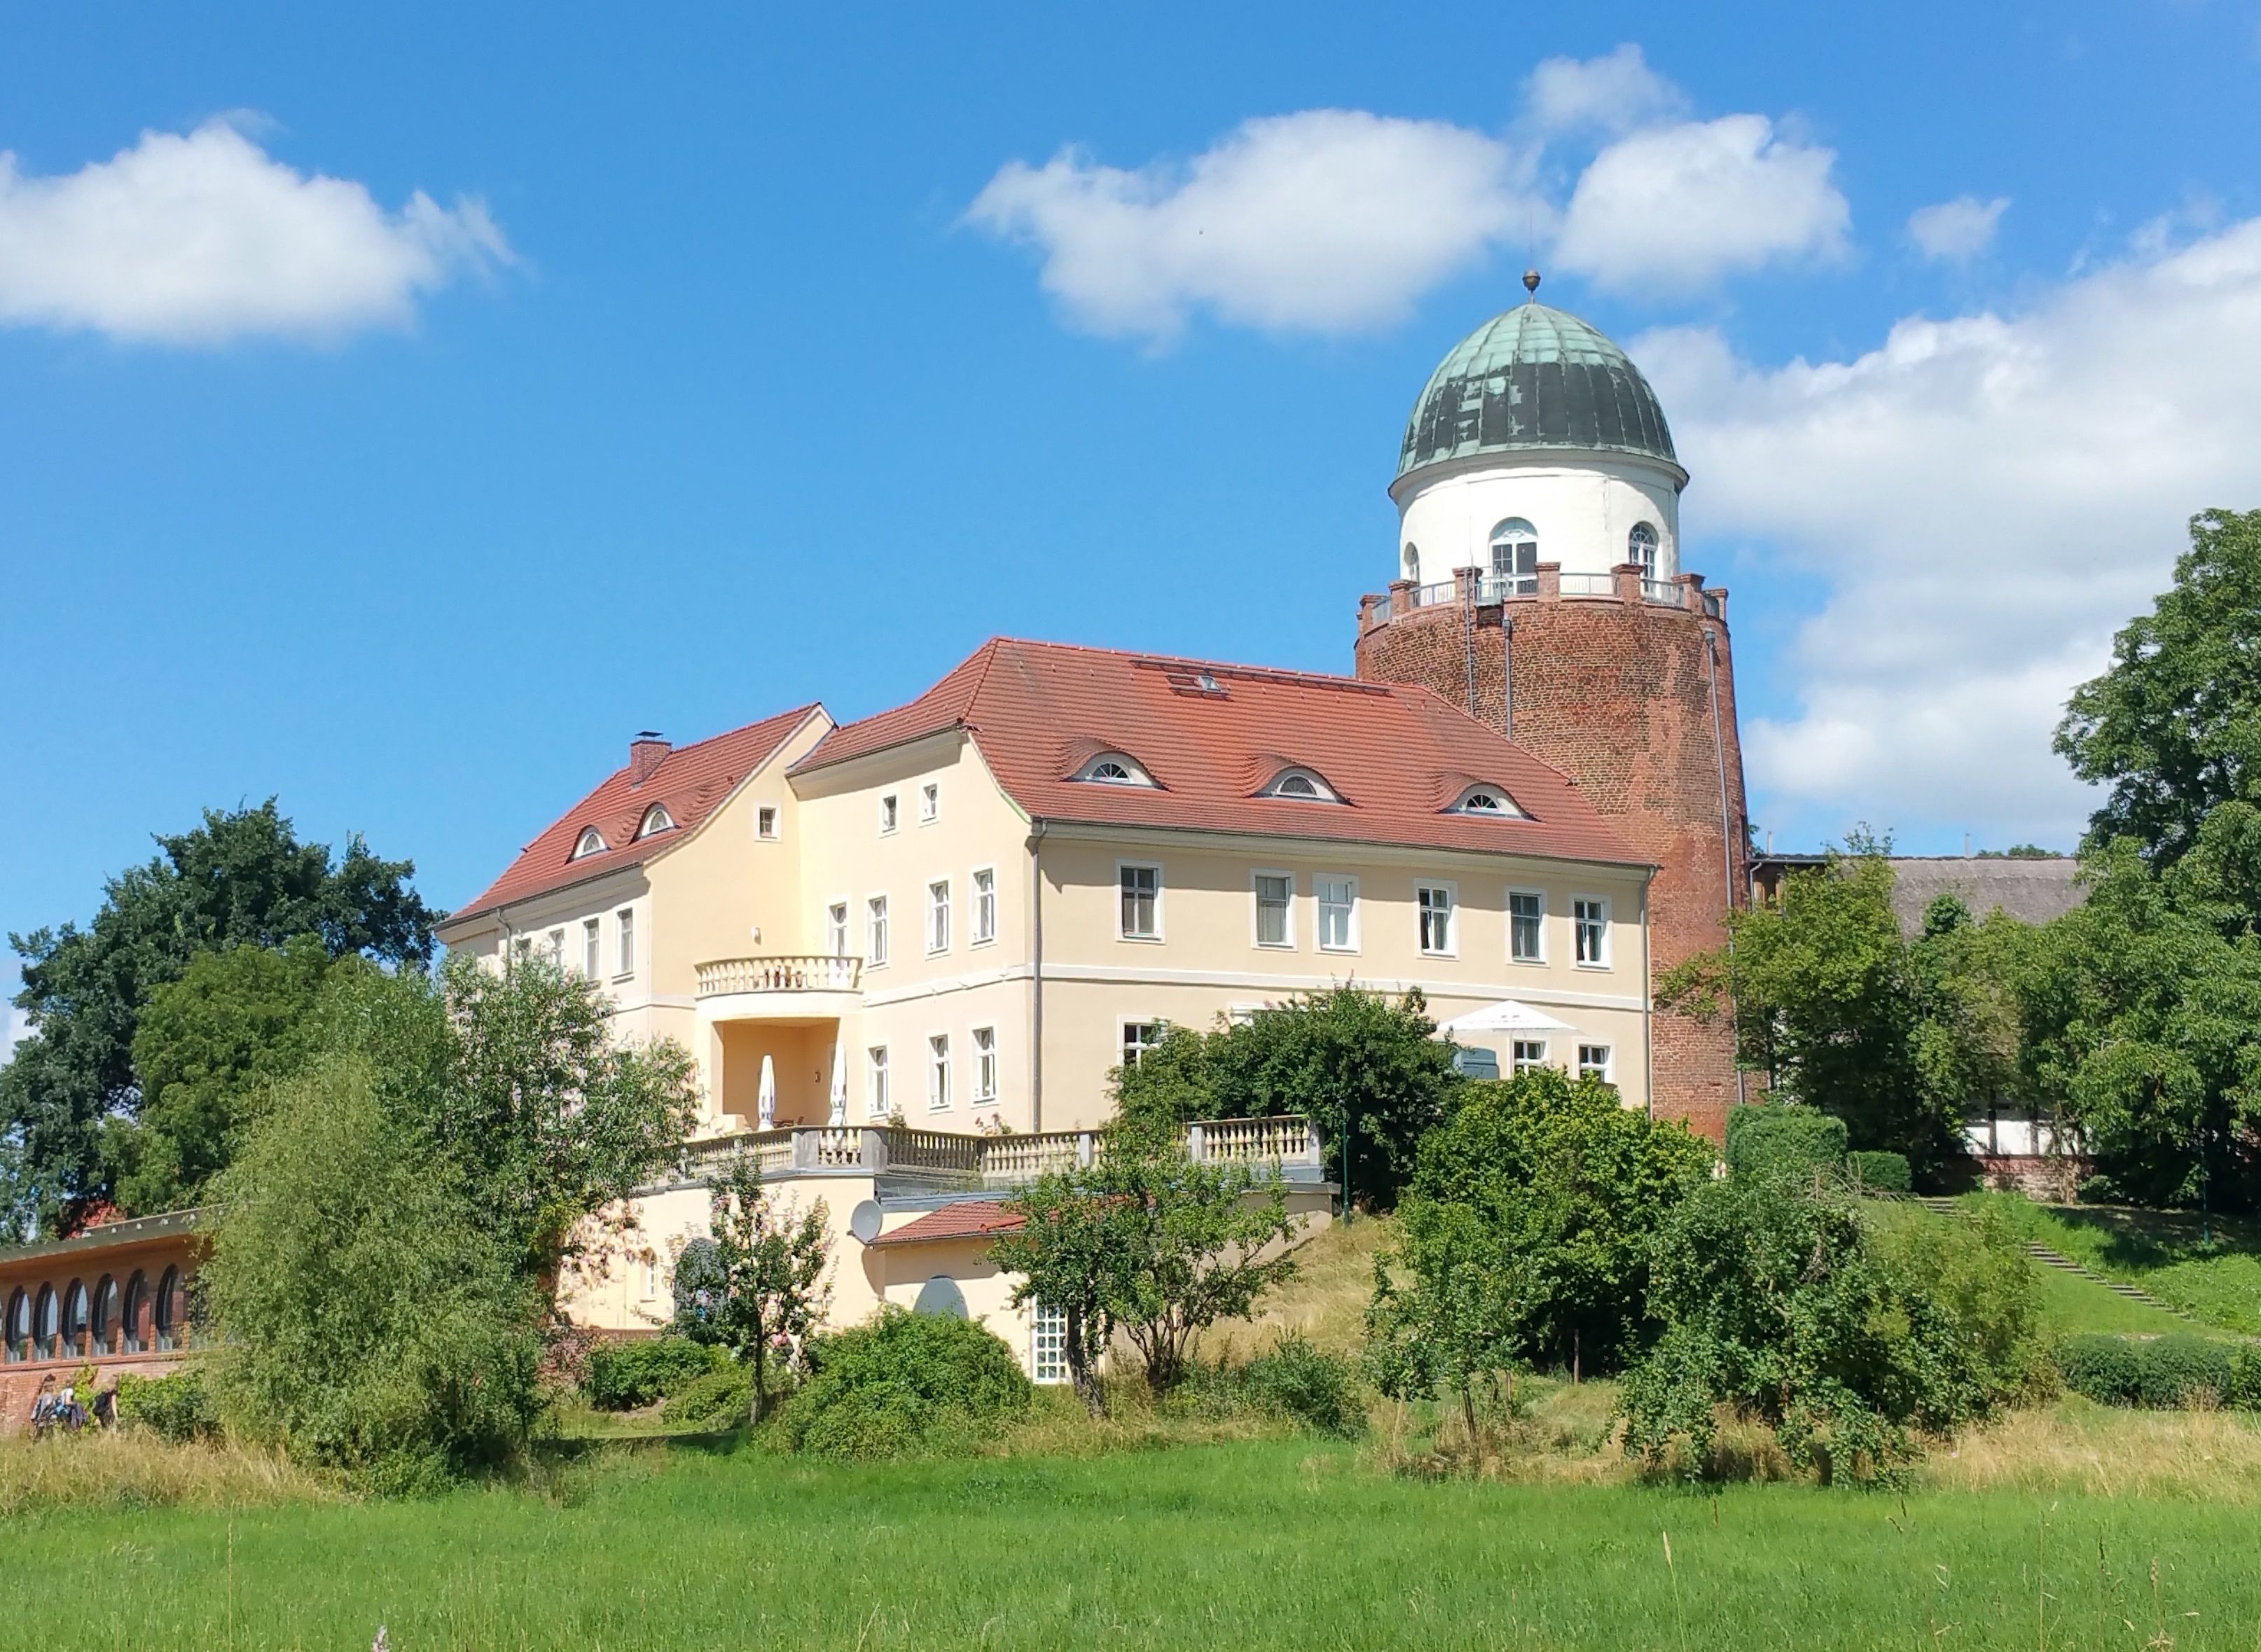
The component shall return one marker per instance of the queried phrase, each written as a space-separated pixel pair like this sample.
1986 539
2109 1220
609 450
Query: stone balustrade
782 972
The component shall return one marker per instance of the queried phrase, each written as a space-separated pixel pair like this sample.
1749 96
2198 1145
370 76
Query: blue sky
403 407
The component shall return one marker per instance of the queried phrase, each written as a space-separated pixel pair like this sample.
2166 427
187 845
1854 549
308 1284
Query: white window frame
557 948
1606 1070
1156 1029
891 813
985 905
650 1280
836 926
938 916
875 1082
1154 867
1286 941
1048 1345
593 948
984 1040
930 802
765 822
1452 893
1519 1063
1319 906
624 953
1578 922
1539 895
878 932
937 1072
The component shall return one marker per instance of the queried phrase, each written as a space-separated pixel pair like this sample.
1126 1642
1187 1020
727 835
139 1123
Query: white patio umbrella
1507 1016
766 1100
839 1090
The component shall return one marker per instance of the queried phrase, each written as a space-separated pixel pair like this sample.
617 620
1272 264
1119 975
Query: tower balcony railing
781 972
1627 583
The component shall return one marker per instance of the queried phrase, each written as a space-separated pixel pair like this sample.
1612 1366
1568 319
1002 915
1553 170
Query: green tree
1150 1241
206 1049
769 1268
1455 1292
2172 728
242 878
369 1321
1359 1064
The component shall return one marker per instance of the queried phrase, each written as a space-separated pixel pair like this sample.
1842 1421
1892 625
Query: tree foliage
769 1289
902 1383
1350 1059
242 878
1524 1239
1150 1242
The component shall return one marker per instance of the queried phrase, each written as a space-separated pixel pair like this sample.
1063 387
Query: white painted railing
1288 1140
1664 592
1589 585
787 972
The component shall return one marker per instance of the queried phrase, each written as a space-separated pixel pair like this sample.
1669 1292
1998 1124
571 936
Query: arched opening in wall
168 1315
1640 546
105 1314
1514 559
1412 562
19 1327
74 1320
46 1322
133 1320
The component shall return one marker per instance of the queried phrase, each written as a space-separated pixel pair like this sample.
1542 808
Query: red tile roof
967 1218
692 782
1213 736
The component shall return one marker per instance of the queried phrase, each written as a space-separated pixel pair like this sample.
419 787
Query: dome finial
1530 285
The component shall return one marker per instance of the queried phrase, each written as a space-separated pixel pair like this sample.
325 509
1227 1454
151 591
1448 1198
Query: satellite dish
864 1221
941 1296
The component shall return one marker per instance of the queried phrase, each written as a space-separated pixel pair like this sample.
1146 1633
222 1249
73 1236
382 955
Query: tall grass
134 1469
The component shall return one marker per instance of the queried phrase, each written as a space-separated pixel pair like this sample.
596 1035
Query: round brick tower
1538 507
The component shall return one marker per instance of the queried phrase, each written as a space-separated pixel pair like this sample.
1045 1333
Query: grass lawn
1253 1545
2211 1270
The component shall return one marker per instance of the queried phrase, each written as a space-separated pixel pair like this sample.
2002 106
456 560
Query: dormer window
1302 786
1487 800
656 819
1113 769
592 842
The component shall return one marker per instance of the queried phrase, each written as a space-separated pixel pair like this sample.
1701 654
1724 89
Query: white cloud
1989 498
1673 209
1956 232
203 238
1329 220
1615 93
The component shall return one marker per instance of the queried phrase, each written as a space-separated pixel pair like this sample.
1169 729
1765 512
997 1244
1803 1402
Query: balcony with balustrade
1471 587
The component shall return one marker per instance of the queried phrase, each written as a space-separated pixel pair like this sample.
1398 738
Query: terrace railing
782 972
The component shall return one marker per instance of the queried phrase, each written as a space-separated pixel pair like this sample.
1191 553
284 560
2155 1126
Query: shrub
719 1396
1881 1172
1783 1136
2163 1373
178 1407
623 1376
902 1383
1307 1386
1977 1275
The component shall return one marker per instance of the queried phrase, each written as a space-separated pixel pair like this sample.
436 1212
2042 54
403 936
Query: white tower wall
1583 505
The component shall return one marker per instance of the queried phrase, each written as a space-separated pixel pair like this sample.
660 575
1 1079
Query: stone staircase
2057 1259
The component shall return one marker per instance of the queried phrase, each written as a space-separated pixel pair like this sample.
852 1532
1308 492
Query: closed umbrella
839 1089
768 1098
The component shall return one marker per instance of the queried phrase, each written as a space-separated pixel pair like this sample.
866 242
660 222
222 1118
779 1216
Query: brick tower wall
1615 689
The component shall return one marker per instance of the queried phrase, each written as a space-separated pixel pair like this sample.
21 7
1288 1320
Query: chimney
646 752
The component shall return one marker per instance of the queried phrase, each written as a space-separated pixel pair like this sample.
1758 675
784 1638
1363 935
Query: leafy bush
720 1396
1306 1384
902 1384
623 1376
1881 1172
178 1407
1978 1274
1783 1136
2163 1373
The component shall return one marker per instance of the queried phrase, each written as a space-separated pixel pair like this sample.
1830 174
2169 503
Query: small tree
1150 1242
1452 1302
768 1274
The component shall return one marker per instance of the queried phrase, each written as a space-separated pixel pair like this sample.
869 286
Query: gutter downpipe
1506 672
1727 839
1647 1003
1469 651
1036 980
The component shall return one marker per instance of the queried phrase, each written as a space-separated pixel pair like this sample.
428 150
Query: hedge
623 1376
903 1384
2161 1373
1783 1135
179 1407
1881 1172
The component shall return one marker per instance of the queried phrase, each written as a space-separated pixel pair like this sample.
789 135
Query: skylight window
1113 769
1302 785
592 842
1487 800
656 819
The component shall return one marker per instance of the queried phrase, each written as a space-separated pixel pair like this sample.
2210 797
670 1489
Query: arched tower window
1640 546
1515 559
134 1322
75 1319
1412 561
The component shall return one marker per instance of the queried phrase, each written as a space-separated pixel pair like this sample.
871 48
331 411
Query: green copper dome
1534 377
